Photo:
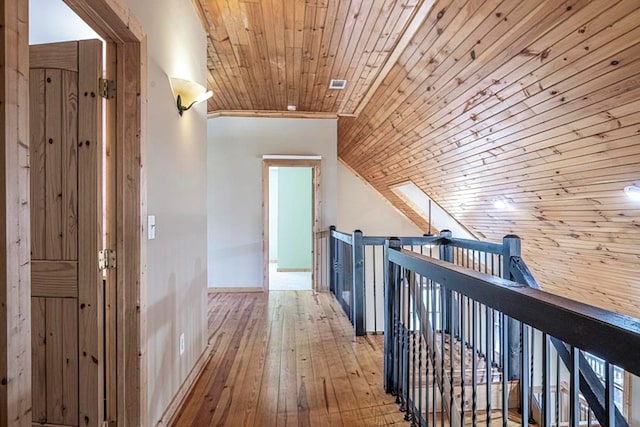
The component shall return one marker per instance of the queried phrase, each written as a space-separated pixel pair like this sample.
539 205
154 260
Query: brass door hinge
106 259
107 88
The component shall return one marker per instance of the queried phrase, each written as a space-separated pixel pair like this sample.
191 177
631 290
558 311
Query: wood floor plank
288 358
247 386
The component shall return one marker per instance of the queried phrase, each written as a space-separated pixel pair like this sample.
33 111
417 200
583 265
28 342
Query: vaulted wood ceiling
268 54
536 103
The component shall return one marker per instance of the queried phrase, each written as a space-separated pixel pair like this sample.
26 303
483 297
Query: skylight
418 200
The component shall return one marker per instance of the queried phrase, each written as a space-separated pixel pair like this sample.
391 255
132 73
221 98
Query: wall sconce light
188 93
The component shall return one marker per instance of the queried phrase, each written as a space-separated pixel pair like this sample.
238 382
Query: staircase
472 399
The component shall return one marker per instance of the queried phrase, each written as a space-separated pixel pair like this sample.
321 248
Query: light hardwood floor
288 358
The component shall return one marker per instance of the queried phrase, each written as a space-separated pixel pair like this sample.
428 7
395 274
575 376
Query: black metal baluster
546 377
398 341
524 374
406 319
505 368
609 398
557 389
502 345
412 320
463 348
532 352
421 322
402 340
375 285
412 346
365 317
574 389
431 355
442 354
488 320
451 359
434 299
474 363
407 350
468 307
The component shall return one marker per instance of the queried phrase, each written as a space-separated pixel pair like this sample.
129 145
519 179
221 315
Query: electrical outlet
181 344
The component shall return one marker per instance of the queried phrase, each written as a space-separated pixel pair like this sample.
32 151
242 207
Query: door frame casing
126 40
15 228
316 184
126 49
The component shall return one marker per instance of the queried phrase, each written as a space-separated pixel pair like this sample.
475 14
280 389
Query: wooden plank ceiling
268 54
534 103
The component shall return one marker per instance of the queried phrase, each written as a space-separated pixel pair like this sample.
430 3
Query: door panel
38 359
37 162
66 194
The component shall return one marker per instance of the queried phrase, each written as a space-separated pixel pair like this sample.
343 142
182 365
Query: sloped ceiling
534 103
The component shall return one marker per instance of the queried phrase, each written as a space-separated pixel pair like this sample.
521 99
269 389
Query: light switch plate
151 227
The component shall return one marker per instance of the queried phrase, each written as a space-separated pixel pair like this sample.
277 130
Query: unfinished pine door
66 229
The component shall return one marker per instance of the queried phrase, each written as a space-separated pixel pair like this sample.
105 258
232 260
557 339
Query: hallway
288 358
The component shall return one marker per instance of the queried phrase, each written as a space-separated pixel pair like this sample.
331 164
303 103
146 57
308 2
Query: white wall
362 207
176 184
236 146
53 21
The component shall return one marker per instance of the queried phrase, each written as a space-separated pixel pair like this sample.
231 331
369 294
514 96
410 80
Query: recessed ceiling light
500 204
337 84
291 107
633 192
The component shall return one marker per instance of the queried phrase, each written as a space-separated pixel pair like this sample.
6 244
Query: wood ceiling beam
273 113
410 31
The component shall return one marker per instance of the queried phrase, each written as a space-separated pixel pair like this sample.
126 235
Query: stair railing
356 280
427 351
359 258
356 277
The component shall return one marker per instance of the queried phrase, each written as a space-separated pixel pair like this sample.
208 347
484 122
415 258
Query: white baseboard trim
235 290
170 414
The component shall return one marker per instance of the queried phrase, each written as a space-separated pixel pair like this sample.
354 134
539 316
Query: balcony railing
470 339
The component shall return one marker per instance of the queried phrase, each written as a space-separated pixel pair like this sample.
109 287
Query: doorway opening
291 201
87 152
290 228
69 295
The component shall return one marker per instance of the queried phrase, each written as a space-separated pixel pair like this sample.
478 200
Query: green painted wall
273 214
294 218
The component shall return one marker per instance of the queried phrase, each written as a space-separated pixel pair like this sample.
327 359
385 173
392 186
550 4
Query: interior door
66 233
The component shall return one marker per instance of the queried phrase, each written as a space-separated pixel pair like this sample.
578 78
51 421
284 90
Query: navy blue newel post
511 248
333 265
391 280
446 254
358 283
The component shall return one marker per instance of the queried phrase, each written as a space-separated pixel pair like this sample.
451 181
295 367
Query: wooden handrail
611 336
